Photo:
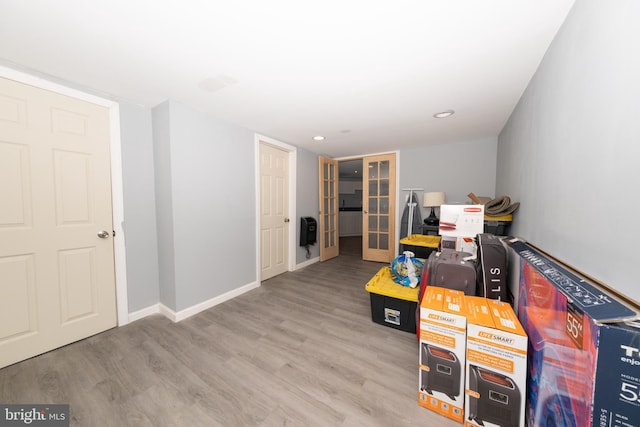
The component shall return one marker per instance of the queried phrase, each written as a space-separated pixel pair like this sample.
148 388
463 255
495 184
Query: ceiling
367 75
350 169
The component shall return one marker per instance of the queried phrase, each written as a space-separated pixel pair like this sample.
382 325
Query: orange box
442 352
496 369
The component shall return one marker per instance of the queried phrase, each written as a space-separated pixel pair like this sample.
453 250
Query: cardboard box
496 370
460 244
461 220
584 351
442 352
392 304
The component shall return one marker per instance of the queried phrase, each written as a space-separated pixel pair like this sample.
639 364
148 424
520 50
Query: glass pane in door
373 170
384 205
373 188
373 241
373 205
383 241
384 169
384 224
384 187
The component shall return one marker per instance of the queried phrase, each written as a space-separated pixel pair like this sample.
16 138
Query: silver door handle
103 234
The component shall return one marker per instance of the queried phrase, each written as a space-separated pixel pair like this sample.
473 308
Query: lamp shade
433 199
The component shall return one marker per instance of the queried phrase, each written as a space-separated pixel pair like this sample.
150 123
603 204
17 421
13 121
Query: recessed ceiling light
443 114
318 138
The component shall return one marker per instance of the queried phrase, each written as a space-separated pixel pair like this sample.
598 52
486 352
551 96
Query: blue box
584 345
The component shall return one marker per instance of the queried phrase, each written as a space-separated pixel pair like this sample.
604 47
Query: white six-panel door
274 208
57 280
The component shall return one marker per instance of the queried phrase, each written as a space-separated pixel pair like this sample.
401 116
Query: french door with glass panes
328 229
378 197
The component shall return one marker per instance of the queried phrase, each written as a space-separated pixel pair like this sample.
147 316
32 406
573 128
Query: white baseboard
307 263
148 311
195 309
167 312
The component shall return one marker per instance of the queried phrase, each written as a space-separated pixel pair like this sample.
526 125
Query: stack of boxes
584 354
573 361
473 358
443 333
459 224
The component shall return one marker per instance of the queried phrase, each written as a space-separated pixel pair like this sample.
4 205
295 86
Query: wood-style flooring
301 350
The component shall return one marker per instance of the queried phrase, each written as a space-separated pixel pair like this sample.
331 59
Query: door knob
103 234
286 220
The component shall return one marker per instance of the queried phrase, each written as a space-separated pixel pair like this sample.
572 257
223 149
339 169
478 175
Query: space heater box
442 352
496 365
494 397
584 344
444 371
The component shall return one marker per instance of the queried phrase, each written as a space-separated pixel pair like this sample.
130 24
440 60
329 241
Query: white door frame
291 262
117 195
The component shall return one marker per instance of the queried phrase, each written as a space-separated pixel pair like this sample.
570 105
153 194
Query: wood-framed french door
378 203
328 202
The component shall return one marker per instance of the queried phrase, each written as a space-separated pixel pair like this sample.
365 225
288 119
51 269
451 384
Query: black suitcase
492 268
450 269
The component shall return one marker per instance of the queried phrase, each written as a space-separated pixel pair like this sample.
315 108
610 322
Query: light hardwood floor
301 350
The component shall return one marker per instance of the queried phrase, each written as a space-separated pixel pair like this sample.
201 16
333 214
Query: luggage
423 288
449 269
492 268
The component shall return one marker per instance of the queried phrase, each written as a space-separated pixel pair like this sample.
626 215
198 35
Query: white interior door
57 280
274 208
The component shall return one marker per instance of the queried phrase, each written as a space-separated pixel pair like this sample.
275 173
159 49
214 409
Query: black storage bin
392 305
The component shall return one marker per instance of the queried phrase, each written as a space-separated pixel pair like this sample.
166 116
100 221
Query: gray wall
164 203
181 259
212 201
457 169
139 206
306 198
571 148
